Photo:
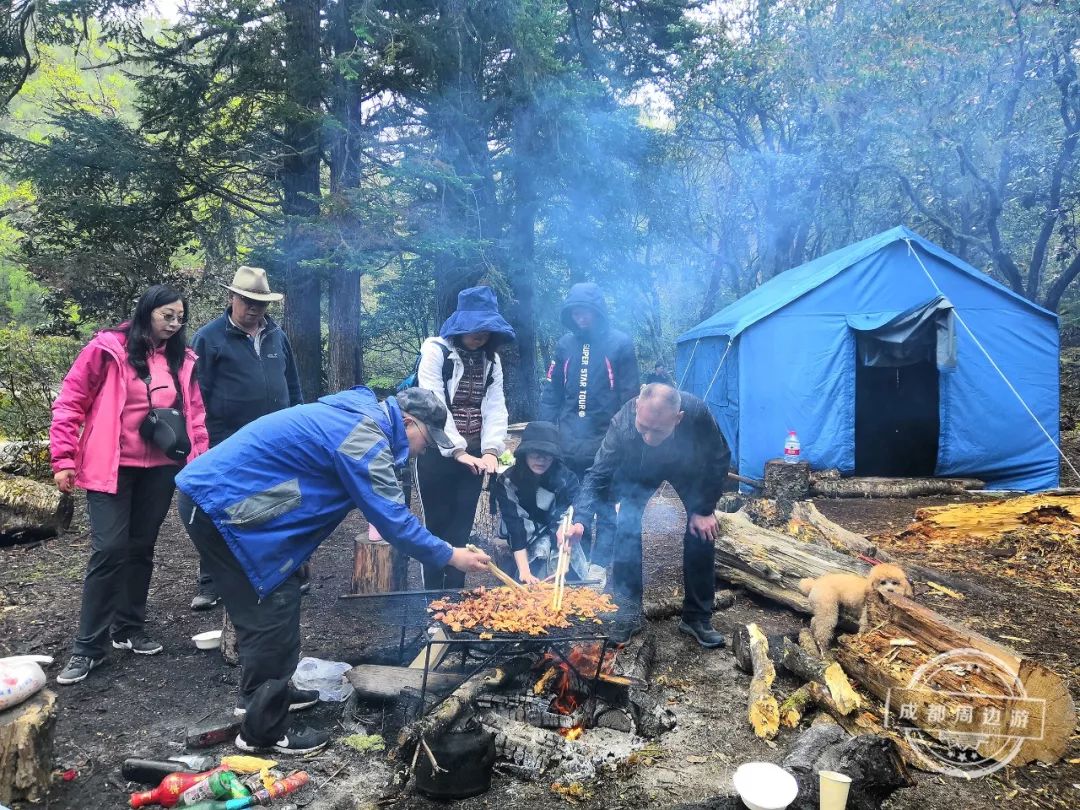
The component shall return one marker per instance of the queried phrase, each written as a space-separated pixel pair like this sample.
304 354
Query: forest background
377 156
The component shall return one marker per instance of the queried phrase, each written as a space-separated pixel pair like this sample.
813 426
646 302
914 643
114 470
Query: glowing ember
572 733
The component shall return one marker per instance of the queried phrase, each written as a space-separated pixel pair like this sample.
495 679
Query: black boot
703 632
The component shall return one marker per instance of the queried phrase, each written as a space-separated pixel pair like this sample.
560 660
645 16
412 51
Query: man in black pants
257 506
663 435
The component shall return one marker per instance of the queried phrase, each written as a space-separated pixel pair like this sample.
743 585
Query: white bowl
210 640
764 786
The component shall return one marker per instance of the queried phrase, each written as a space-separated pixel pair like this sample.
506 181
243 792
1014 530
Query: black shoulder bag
165 428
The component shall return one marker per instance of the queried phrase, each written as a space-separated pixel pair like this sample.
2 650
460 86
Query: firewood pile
906 649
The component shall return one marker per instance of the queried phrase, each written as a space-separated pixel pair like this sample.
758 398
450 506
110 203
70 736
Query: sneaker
299 699
622 632
77 669
205 601
138 644
597 574
704 633
301 740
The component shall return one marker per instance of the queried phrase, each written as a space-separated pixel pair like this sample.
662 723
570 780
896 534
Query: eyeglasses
424 432
251 302
170 318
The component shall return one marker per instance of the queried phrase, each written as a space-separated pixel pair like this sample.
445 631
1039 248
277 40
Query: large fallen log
871 487
953 667
29 509
771 564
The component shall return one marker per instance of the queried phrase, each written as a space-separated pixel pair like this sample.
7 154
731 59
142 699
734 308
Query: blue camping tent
882 357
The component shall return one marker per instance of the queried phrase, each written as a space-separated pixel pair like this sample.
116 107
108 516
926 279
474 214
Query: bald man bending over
662 435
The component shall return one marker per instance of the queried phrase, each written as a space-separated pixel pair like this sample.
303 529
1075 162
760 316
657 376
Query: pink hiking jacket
92 400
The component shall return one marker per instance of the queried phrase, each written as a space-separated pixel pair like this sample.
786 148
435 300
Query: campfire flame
572 733
559 679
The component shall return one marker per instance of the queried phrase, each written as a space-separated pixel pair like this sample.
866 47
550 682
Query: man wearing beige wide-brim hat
246 370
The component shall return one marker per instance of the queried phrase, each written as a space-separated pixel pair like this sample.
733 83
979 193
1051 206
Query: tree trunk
522 377
28 508
967 669
345 345
26 743
346 349
300 188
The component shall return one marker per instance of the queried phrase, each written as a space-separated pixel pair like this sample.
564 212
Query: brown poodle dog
828 593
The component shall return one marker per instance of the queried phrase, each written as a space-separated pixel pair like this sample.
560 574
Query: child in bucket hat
533 495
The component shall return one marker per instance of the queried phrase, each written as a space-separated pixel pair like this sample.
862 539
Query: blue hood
478 311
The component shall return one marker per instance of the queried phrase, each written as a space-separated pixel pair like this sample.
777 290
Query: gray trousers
123 530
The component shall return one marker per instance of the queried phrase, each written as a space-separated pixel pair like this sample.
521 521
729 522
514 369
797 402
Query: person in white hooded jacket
462 368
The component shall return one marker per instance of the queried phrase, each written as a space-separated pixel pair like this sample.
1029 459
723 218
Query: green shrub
31 369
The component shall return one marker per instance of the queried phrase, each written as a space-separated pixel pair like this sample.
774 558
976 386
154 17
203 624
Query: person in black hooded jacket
594 373
533 495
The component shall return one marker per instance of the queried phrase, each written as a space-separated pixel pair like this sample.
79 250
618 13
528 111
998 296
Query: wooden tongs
562 565
500 575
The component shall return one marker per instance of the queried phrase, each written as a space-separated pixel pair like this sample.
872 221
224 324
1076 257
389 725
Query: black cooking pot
465 756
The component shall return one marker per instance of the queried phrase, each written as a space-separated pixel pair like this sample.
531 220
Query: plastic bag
21 677
328 677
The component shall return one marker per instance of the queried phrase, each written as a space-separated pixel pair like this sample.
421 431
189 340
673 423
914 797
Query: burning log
798 661
31 510
885 668
762 710
874 764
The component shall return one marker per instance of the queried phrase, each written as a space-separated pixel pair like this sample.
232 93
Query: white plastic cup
834 790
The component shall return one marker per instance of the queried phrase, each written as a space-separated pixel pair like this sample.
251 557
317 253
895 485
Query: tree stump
377 566
26 742
787 483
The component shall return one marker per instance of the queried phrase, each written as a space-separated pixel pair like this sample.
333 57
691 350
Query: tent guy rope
986 354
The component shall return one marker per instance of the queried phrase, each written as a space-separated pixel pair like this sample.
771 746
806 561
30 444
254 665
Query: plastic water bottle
792 448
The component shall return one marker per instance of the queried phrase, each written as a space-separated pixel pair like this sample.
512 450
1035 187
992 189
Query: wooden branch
797 661
762 710
671 605
874 487
795 705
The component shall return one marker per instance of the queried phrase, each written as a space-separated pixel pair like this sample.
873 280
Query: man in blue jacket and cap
258 505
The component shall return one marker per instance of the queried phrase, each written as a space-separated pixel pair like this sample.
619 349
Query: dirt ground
138 706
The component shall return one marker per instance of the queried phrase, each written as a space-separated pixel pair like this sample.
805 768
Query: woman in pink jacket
96 444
